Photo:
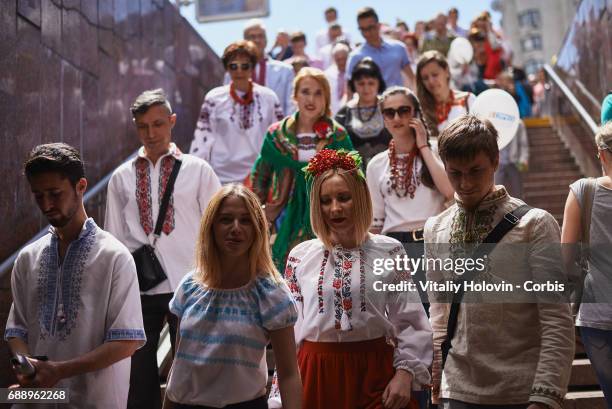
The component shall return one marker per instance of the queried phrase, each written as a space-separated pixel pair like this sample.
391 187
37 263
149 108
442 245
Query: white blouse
456 111
400 214
337 300
229 135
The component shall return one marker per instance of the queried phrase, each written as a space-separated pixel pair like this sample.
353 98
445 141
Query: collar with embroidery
172 151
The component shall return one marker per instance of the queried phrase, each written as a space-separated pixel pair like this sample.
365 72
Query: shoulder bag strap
506 224
163 207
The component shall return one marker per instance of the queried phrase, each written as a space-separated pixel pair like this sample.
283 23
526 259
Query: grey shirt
596 307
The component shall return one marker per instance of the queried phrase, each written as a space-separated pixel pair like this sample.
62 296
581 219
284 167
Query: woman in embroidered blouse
278 178
408 182
441 104
229 308
343 322
361 115
235 117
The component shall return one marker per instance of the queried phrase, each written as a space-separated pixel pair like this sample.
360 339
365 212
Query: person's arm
570 236
209 185
556 325
49 373
434 165
289 381
168 404
204 134
113 220
287 99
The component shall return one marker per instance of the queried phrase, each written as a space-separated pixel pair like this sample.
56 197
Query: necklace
368 119
443 109
248 97
403 179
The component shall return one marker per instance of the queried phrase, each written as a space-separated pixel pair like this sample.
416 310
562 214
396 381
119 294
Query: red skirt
346 375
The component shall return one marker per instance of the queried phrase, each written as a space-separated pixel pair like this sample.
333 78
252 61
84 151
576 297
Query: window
529 19
531 42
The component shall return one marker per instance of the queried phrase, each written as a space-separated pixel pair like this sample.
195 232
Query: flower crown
327 159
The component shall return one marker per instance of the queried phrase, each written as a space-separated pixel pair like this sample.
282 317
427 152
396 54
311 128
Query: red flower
323 130
289 272
347 304
337 283
347 265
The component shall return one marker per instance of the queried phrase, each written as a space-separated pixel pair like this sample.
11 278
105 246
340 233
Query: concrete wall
69 70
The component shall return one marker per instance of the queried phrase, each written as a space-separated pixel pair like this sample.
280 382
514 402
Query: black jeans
144 375
456 404
259 403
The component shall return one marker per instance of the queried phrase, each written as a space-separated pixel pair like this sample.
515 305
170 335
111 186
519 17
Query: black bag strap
506 224
163 207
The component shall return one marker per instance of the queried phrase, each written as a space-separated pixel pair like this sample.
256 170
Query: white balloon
501 109
460 51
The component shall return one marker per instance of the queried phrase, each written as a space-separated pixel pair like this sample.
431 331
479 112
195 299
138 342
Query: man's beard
63 220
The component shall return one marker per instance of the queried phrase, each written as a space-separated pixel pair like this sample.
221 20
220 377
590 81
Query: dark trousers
259 403
144 376
456 404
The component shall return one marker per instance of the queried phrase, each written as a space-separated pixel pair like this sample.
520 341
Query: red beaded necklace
443 109
248 97
402 183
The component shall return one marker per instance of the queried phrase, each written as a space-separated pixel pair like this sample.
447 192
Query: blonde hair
603 137
319 76
207 262
362 205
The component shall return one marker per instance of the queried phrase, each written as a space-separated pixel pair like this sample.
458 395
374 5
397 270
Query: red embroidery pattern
343 302
291 279
143 194
320 282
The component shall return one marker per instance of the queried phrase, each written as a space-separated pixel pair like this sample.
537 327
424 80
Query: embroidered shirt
66 309
458 109
400 214
229 135
132 204
221 356
503 353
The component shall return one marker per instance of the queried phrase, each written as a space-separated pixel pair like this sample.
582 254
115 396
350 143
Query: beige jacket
503 353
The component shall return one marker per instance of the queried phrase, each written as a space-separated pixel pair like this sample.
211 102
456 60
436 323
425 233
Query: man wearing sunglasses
390 55
267 72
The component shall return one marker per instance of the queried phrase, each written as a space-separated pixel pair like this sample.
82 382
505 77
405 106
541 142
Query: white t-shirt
132 206
400 214
221 355
66 310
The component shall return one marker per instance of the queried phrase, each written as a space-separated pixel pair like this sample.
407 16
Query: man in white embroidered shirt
134 197
75 293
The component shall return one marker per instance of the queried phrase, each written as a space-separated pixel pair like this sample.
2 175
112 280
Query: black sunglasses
404 111
243 67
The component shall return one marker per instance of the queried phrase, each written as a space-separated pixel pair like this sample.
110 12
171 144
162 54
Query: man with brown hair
504 354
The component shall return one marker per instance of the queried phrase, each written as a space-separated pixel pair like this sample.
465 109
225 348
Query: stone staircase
546 185
551 169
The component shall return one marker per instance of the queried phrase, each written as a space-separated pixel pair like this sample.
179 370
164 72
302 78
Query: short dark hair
366 12
367 68
297 36
454 10
148 99
243 48
331 10
467 136
55 157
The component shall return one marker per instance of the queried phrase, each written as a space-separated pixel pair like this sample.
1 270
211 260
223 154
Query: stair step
584 400
583 374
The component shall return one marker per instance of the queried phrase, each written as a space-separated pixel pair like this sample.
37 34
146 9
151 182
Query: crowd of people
304 174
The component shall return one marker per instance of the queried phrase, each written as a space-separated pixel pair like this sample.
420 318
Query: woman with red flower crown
360 344
278 177
234 117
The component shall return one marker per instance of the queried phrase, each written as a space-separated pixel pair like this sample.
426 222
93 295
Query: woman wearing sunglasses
441 104
234 118
408 182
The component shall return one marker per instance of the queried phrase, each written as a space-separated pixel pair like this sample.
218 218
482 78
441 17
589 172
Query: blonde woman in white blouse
358 347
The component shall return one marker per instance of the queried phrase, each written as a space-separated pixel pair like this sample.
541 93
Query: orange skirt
346 375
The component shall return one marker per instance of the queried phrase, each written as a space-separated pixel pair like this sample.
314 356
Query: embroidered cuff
15 333
547 396
125 334
420 374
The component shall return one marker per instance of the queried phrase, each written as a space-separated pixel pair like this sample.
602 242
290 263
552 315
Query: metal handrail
571 98
91 193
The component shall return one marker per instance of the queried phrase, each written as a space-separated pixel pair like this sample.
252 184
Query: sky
307 16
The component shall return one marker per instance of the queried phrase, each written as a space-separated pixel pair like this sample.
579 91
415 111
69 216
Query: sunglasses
243 67
404 111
